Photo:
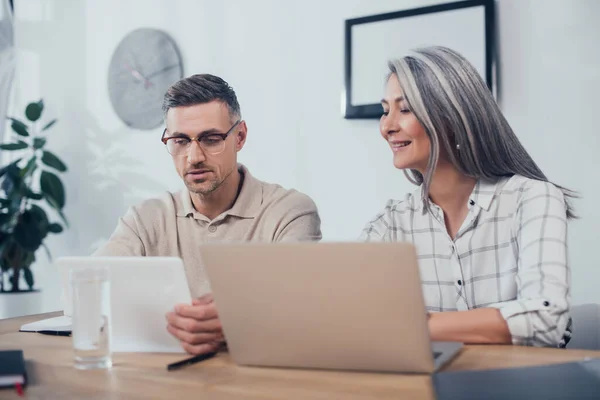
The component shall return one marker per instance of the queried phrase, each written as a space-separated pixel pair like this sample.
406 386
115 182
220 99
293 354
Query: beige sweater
169 226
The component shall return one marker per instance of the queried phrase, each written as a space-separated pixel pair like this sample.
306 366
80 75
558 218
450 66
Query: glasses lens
212 144
177 146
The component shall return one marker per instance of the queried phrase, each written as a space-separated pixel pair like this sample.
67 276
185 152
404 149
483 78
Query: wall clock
145 63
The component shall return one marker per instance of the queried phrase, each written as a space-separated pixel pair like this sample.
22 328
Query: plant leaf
63 217
8 167
47 251
27 233
32 195
28 275
53 189
20 145
49 124
40 217
29 167
51 160
3 246
12 180
4 218
7 185
33 111
16 274
54 205
55 228
39 142
19 127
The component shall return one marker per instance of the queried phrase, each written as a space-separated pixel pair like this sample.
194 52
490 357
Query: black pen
191 360
55 333
52 333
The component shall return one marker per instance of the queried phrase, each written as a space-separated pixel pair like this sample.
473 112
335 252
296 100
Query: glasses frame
198 138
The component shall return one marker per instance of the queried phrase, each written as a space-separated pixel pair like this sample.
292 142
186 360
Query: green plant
27 185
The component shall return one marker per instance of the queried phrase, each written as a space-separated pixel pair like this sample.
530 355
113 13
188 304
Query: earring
458 147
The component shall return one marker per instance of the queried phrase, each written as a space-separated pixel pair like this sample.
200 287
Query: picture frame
465 26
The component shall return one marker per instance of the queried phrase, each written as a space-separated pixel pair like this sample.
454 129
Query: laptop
142 291
346 306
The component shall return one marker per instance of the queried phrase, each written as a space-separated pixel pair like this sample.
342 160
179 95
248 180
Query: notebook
12 368
56 324
574 380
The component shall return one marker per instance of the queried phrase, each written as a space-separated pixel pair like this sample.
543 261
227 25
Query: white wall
285 60
550 71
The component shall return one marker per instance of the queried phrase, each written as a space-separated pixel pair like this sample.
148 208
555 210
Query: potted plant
28 186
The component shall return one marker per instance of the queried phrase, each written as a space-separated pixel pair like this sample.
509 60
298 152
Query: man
222 202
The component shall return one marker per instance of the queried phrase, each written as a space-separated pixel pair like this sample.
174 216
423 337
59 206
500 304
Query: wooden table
144 375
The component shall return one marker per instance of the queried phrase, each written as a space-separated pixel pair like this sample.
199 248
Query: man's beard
204 190
213 184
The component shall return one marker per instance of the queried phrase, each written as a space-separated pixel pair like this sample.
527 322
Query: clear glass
211 144
91 317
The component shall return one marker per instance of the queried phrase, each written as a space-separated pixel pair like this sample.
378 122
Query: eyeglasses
210 143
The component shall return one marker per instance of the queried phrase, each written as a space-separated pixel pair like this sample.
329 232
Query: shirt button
546 303
212 229
472 202
459 282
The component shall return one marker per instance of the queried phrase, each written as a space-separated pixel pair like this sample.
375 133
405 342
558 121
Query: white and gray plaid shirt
510 253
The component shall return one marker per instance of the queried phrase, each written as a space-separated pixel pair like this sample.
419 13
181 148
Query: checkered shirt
510 254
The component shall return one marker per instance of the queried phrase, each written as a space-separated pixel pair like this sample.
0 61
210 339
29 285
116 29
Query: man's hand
197 326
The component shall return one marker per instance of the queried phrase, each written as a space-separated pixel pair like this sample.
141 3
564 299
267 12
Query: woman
489 229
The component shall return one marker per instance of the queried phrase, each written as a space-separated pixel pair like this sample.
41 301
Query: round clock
144 65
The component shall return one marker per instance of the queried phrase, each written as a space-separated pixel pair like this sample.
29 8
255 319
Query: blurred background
285 59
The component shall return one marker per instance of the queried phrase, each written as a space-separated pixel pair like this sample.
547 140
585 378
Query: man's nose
195 153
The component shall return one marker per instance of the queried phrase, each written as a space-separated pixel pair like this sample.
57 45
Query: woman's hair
458 112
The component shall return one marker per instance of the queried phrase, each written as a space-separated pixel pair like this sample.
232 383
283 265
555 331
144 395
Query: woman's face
401 129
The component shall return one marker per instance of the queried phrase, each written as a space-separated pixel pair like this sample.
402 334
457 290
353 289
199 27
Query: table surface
144 375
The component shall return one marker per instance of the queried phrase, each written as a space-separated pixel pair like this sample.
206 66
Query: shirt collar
247 204
185 207
250 198
417 197
482 195
484 192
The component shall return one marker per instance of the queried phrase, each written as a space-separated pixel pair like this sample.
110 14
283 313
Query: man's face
201 171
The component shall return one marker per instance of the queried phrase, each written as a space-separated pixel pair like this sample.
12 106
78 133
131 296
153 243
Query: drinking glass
91 317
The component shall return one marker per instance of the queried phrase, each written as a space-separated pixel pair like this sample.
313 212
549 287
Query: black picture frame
374 111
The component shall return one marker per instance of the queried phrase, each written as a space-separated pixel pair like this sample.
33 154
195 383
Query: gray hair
457 110
200 89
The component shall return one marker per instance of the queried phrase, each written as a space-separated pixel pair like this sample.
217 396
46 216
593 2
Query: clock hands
160 71
136 74
146 79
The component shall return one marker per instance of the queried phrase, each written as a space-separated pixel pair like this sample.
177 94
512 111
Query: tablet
143 290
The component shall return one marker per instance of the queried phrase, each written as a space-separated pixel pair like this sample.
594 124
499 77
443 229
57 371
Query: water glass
91 317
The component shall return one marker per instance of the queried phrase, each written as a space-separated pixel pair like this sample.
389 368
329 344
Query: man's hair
200 89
